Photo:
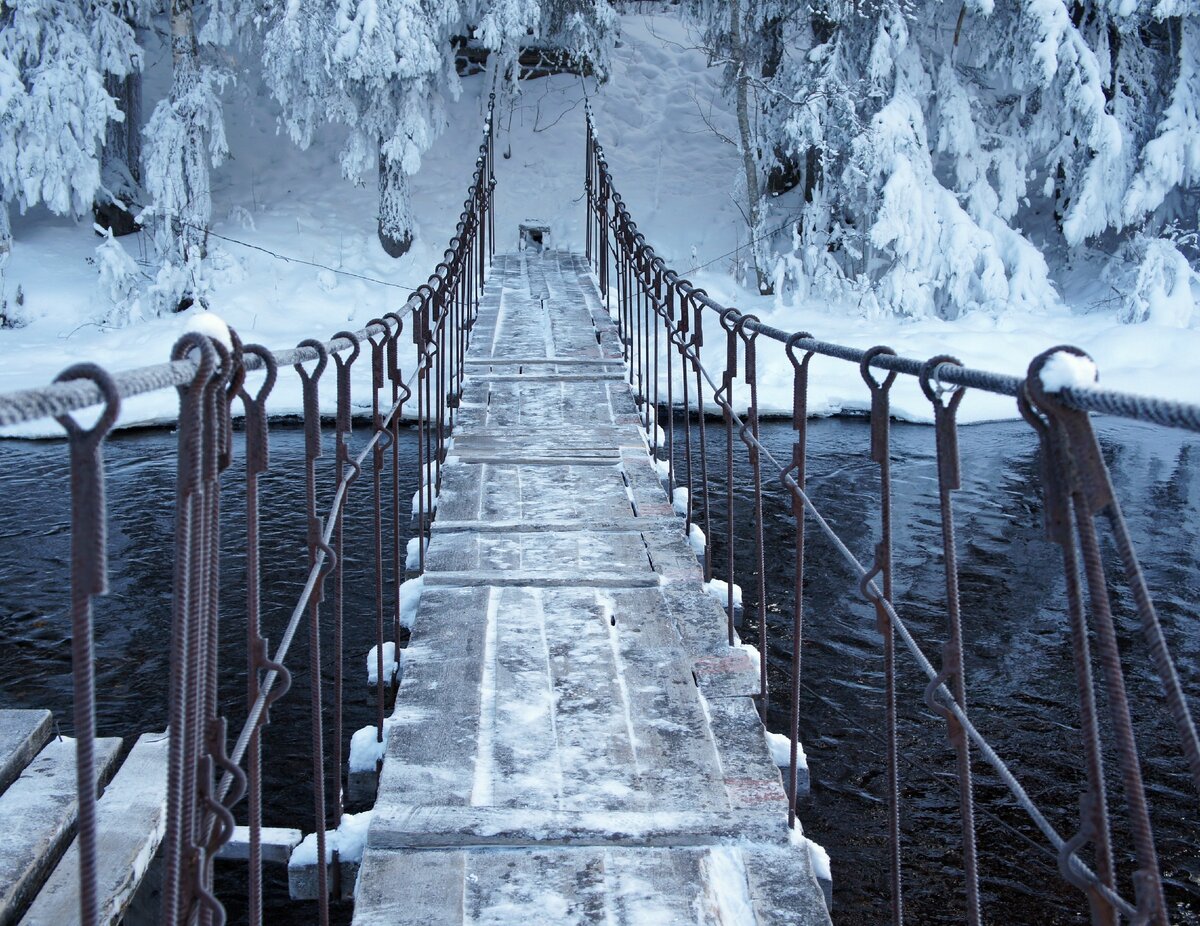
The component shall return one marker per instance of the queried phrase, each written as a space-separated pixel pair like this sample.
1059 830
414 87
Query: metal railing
206 777
662 321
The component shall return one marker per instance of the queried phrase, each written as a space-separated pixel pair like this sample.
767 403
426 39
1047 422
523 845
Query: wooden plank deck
573 740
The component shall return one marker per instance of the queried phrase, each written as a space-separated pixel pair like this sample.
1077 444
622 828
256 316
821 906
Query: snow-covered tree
944 152
185 137
54 108
380 67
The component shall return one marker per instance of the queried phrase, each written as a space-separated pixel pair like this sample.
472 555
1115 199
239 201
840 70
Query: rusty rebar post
797 471
724 399
1090 493
953 670
343 423
89 577
312 451
177 895
750 435
881 455
1093 822
694 348
257 463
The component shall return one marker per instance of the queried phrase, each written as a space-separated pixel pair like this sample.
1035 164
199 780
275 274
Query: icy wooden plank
627 708
277 843
537 558
431 748
672 556
750 775
571 887
535 449
729 674
565 363
37 813
22 734
404 827
130 823
506 492
784 886
417 888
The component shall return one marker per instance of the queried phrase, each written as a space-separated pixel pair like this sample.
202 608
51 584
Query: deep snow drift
671 168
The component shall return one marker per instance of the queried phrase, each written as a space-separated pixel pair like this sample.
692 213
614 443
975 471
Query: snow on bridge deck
575 741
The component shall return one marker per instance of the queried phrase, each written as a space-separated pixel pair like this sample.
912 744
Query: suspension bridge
567 720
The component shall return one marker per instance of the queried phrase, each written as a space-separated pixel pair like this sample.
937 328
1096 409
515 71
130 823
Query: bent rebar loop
1088 489
881 454
258 661
789 476
183 750
316 545
749 434
952 670
89 577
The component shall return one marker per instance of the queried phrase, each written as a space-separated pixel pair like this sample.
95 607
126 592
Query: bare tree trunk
195 212
748 147
5 236
395 210
120 170
12 314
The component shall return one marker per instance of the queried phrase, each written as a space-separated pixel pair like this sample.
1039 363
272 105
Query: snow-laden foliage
54 109
379 67
942 154
185 138
384 68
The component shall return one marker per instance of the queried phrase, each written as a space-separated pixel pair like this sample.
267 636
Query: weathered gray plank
276 843
37 813
616 886
538 555
22 734
130 823
405 827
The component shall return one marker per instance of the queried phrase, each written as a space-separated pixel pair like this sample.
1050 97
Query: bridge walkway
573 740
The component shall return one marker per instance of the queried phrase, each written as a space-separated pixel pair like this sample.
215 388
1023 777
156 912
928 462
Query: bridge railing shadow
665 321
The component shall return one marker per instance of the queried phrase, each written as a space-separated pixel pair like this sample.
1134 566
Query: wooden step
22 736
37 817
131 820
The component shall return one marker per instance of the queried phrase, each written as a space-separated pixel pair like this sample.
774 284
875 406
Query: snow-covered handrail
654 303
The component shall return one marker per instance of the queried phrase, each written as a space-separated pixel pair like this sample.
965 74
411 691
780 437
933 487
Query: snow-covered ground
656 115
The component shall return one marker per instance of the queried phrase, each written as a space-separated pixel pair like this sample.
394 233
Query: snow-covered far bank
659 116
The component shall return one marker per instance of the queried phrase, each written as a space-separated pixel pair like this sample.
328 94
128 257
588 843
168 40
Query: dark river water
1021 684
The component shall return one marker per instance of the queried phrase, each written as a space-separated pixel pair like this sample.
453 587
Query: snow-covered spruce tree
184 138
54 109
382 68
946 152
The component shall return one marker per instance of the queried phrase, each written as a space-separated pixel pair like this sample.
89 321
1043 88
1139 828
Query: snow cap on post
1067 368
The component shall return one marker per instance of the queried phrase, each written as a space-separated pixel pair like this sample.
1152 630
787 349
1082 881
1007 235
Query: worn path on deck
574 740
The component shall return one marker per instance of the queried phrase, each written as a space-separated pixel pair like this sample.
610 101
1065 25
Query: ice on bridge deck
574 740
